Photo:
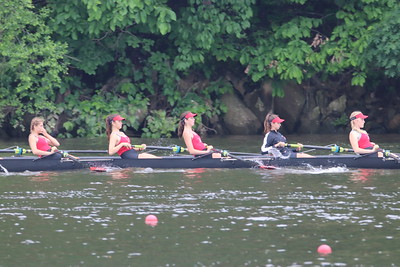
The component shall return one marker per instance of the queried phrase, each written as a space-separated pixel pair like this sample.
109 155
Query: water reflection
42 176
121 174
363 175
195 174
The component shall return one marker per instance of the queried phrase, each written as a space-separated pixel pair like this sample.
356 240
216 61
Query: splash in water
276 153
4 169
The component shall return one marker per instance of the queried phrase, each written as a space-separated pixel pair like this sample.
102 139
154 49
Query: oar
176 149
337 149
334 148
226 153
67 155
63 154
389 154
244 153
18 151
86 151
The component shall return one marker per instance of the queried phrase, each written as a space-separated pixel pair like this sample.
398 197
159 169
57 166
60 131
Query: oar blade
98 169
268 167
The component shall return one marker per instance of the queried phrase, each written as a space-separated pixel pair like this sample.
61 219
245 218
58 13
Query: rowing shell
29 163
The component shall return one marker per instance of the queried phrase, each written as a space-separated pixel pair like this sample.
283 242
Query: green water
205 217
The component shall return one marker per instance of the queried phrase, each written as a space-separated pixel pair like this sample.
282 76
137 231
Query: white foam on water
317 170
262 219
4 170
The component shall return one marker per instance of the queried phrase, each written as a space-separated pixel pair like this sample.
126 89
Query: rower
120 143
41 142
275 143
192 140
359 138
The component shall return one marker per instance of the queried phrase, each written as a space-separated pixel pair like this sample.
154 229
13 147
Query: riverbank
311 109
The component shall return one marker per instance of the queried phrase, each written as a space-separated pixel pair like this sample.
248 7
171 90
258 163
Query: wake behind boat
32 163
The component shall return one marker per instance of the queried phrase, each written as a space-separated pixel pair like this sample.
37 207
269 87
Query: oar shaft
86 151
389 154
18 151
226 153
334 148
176 149
244 153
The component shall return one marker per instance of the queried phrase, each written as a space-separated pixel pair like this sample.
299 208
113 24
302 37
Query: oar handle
334 148
18 151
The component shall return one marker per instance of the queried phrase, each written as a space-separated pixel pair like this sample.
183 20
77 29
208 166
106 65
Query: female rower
192 140
274 139
359 139
42 143
119 142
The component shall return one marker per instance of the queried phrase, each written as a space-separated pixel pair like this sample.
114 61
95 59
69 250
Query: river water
247 217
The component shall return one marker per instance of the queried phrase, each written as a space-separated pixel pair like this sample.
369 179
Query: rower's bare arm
354 144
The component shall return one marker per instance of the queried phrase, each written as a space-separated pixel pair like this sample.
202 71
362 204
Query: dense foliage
152 59
31 63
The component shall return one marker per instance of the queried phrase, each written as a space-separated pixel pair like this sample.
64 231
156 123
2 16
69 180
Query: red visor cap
190 115
118 118
362 116
278 120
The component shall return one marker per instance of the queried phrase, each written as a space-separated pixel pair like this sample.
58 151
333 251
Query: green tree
313 38
122 54
152 59
383 50
31 63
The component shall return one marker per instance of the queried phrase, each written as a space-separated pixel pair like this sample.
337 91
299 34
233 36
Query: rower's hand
280 144
53 149
128 145
43 131
375 148
209 148
300 146
143 147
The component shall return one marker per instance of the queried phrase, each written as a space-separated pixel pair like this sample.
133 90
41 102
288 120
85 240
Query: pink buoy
151 220
324 249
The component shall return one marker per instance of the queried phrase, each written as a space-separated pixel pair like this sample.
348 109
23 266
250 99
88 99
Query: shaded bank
312 108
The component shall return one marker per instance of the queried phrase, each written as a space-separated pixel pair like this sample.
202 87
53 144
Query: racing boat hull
27 163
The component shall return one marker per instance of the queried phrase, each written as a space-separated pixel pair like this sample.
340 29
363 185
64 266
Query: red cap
190 115
362 116
118 118
359 115
278 120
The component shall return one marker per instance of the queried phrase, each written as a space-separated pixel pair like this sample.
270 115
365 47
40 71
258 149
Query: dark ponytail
181 125
109 121
267 122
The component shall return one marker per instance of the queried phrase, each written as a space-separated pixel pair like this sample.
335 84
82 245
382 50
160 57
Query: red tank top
43 143
197 143
123 139
364 141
